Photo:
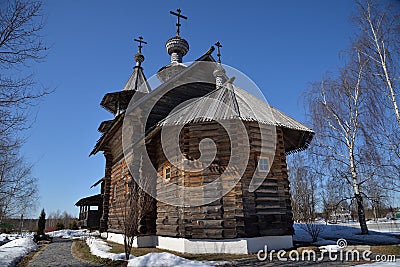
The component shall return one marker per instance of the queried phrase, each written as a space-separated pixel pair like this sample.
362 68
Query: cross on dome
179 16
140 41
139 58
218 44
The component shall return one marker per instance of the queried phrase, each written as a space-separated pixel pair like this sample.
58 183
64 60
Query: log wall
107 191
240 213
267 210
118 189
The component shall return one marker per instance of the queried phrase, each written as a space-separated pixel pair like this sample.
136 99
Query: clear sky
281 45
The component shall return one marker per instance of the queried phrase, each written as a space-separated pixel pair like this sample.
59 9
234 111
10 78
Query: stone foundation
208 246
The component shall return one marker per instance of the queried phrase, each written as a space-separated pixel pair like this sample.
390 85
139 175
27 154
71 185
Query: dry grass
25 260
118 248
386 250
81 251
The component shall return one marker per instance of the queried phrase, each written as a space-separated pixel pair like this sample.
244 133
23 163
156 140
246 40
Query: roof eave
106 135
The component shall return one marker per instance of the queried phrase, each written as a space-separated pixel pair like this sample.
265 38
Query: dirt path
58 253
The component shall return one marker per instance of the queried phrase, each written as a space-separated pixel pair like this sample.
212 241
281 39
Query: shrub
60 226
313 229
73 225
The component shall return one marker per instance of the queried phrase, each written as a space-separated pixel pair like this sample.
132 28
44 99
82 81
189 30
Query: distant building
239 221
90 212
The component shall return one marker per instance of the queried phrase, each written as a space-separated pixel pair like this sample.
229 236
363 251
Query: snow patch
100 249
381 263
13 251
163 259
330 248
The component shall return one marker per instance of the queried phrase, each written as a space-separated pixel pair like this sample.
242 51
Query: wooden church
215 207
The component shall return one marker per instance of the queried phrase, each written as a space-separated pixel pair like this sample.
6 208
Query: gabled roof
231 102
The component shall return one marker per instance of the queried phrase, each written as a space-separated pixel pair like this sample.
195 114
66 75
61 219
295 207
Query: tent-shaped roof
136 80
136 84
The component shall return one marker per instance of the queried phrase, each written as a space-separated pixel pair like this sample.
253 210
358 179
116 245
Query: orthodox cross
178 24
140 41
218 44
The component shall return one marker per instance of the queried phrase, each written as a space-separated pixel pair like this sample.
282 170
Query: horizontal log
167 228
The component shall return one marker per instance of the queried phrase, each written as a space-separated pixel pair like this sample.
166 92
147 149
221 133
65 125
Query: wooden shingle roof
243 106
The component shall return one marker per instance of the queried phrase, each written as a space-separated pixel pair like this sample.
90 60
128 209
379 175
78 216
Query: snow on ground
19 246
11 252
163 259
73 234
7 237
100 248
332 232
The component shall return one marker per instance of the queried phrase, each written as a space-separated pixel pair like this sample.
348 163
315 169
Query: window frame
260 163
165 168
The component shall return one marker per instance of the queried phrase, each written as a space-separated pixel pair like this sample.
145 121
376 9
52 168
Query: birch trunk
361 214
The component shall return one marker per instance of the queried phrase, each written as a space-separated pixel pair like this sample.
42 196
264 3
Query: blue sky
282 46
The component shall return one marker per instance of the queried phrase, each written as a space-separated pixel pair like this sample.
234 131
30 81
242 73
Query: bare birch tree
337 108
379 41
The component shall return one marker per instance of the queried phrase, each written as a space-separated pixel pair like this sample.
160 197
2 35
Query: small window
122 172
263 165
115 191
167 172
186 161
